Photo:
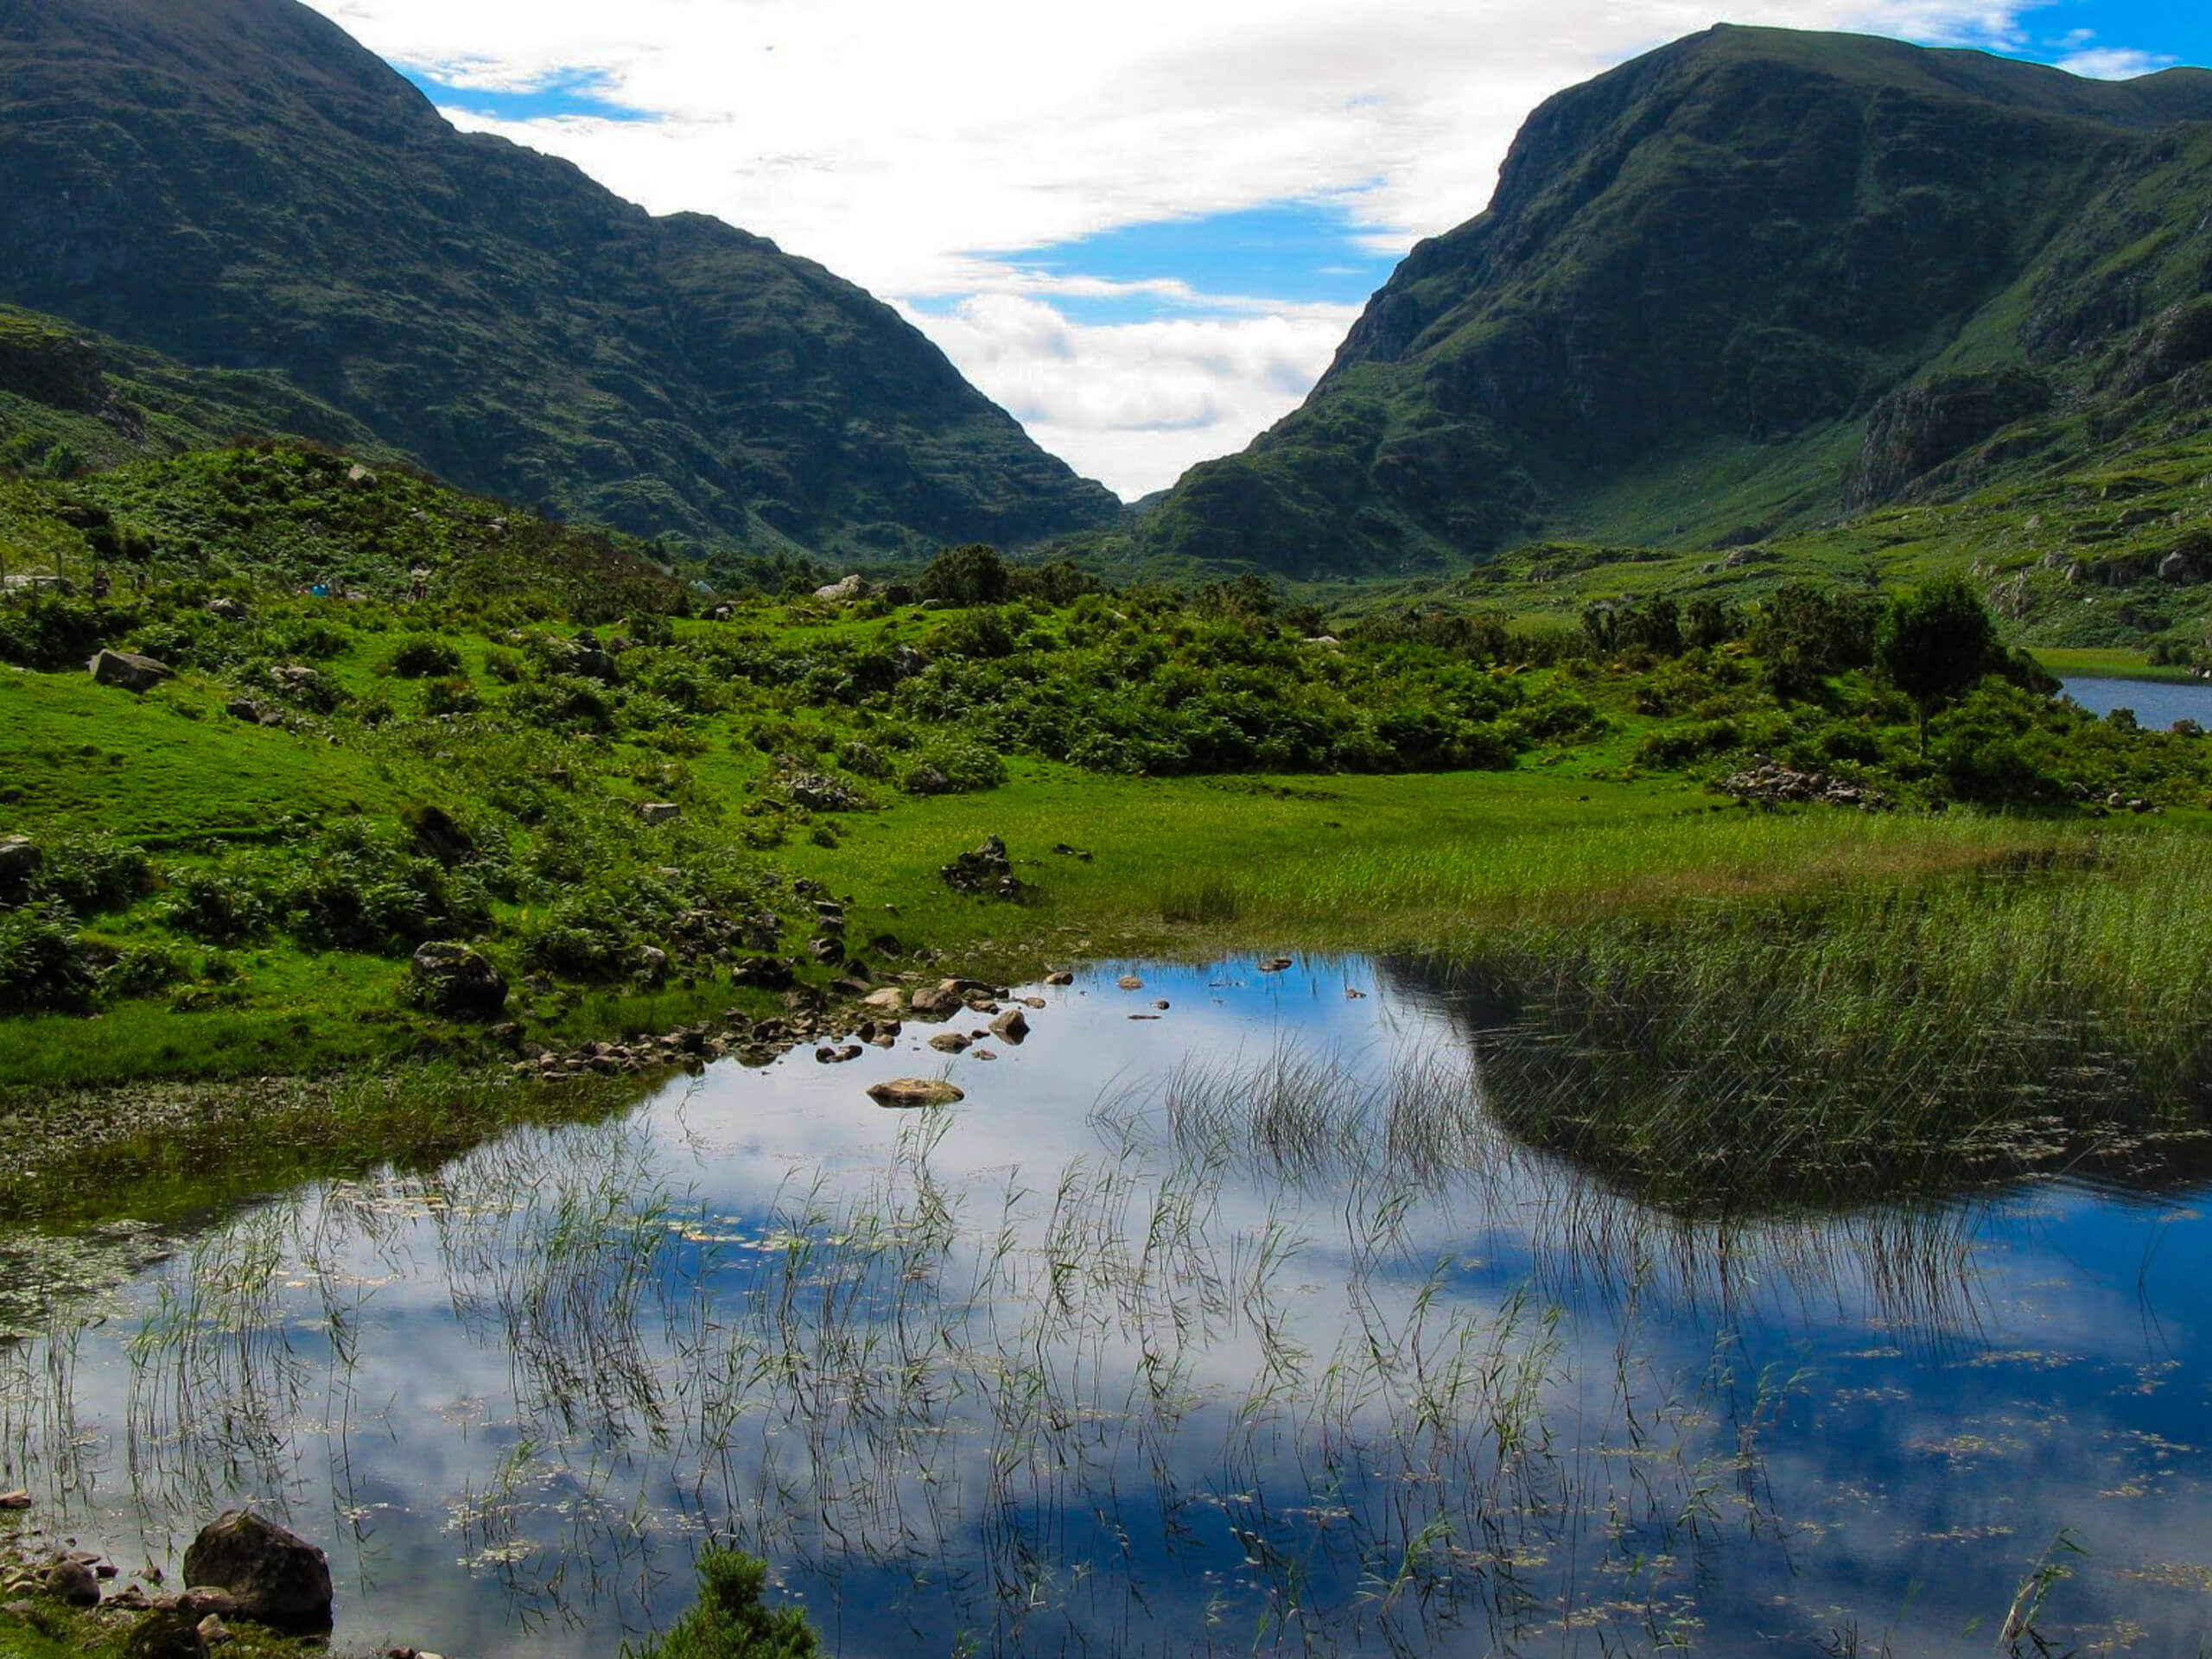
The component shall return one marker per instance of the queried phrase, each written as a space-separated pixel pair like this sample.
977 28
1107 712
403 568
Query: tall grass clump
1750 1049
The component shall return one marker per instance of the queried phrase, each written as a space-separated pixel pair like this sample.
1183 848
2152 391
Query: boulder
904 1093
762 973
72 1581
166 1634
16 1500
659 812
280 1580
360 477
454 981
227 610
817 791
935 1002
129 671
950 1042
987 872
1011 1027
1061 977
844 592
20 863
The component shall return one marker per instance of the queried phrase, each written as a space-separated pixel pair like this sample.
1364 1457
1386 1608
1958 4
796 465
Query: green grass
165 766
2108 664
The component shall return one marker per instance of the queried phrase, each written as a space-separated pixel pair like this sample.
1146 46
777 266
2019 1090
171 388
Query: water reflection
1232 1327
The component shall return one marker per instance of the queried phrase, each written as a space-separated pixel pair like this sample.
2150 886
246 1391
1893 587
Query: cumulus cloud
906 146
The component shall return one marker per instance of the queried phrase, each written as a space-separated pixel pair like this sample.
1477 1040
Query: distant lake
2156 704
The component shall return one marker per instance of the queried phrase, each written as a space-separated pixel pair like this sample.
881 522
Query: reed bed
2034 1008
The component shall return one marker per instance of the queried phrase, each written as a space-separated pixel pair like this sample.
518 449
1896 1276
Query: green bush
728 1621
42 966
423 657
88 875
218 906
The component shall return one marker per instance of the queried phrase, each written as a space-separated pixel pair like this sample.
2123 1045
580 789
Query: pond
2157 703
1218 1315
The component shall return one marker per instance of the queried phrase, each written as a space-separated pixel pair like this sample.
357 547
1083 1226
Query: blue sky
1142 229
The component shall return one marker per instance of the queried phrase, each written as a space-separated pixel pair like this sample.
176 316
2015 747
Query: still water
1194 1328
2156 704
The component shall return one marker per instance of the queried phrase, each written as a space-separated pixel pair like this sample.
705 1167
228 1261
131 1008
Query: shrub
728 1621
973 574
423 657
42 966
217 907
90 873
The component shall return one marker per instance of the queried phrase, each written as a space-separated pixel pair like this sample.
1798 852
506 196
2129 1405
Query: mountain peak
1699 273
239 184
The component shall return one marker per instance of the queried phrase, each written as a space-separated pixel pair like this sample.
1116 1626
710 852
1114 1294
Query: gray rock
1011 1027
934 1002
817 791
659 812
129 671
842 593
228 610
762 973
454 981
280 1580
949 1042
987 872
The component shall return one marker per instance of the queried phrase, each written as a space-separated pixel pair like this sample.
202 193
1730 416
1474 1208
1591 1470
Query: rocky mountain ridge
1748 281
238 185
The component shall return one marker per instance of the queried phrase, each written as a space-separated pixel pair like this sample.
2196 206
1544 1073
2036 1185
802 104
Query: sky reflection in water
1089 1361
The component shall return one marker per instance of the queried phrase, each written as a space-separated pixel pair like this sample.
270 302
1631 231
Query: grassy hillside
237 184
458 740
1744 286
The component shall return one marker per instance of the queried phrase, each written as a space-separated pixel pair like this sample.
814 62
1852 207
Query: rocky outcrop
278 1578
1916 429
987 873
129 671
458 983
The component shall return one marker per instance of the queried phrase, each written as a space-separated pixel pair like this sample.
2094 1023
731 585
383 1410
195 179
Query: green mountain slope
238 185
1748 282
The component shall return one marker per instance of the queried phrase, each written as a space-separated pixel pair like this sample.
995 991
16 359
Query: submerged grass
191 1148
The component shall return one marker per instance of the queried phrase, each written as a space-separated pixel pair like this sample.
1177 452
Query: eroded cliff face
240 185
1746 238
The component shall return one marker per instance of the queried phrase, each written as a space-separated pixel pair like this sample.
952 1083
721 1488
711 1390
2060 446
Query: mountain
1752 280
238 185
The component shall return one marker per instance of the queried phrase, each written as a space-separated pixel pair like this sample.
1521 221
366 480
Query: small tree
974 575
1934 643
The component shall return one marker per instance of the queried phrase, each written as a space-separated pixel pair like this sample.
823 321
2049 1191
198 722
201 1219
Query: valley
1560 1010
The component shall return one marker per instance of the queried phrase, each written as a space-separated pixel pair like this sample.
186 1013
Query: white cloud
1126 403
2113 63
897 142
